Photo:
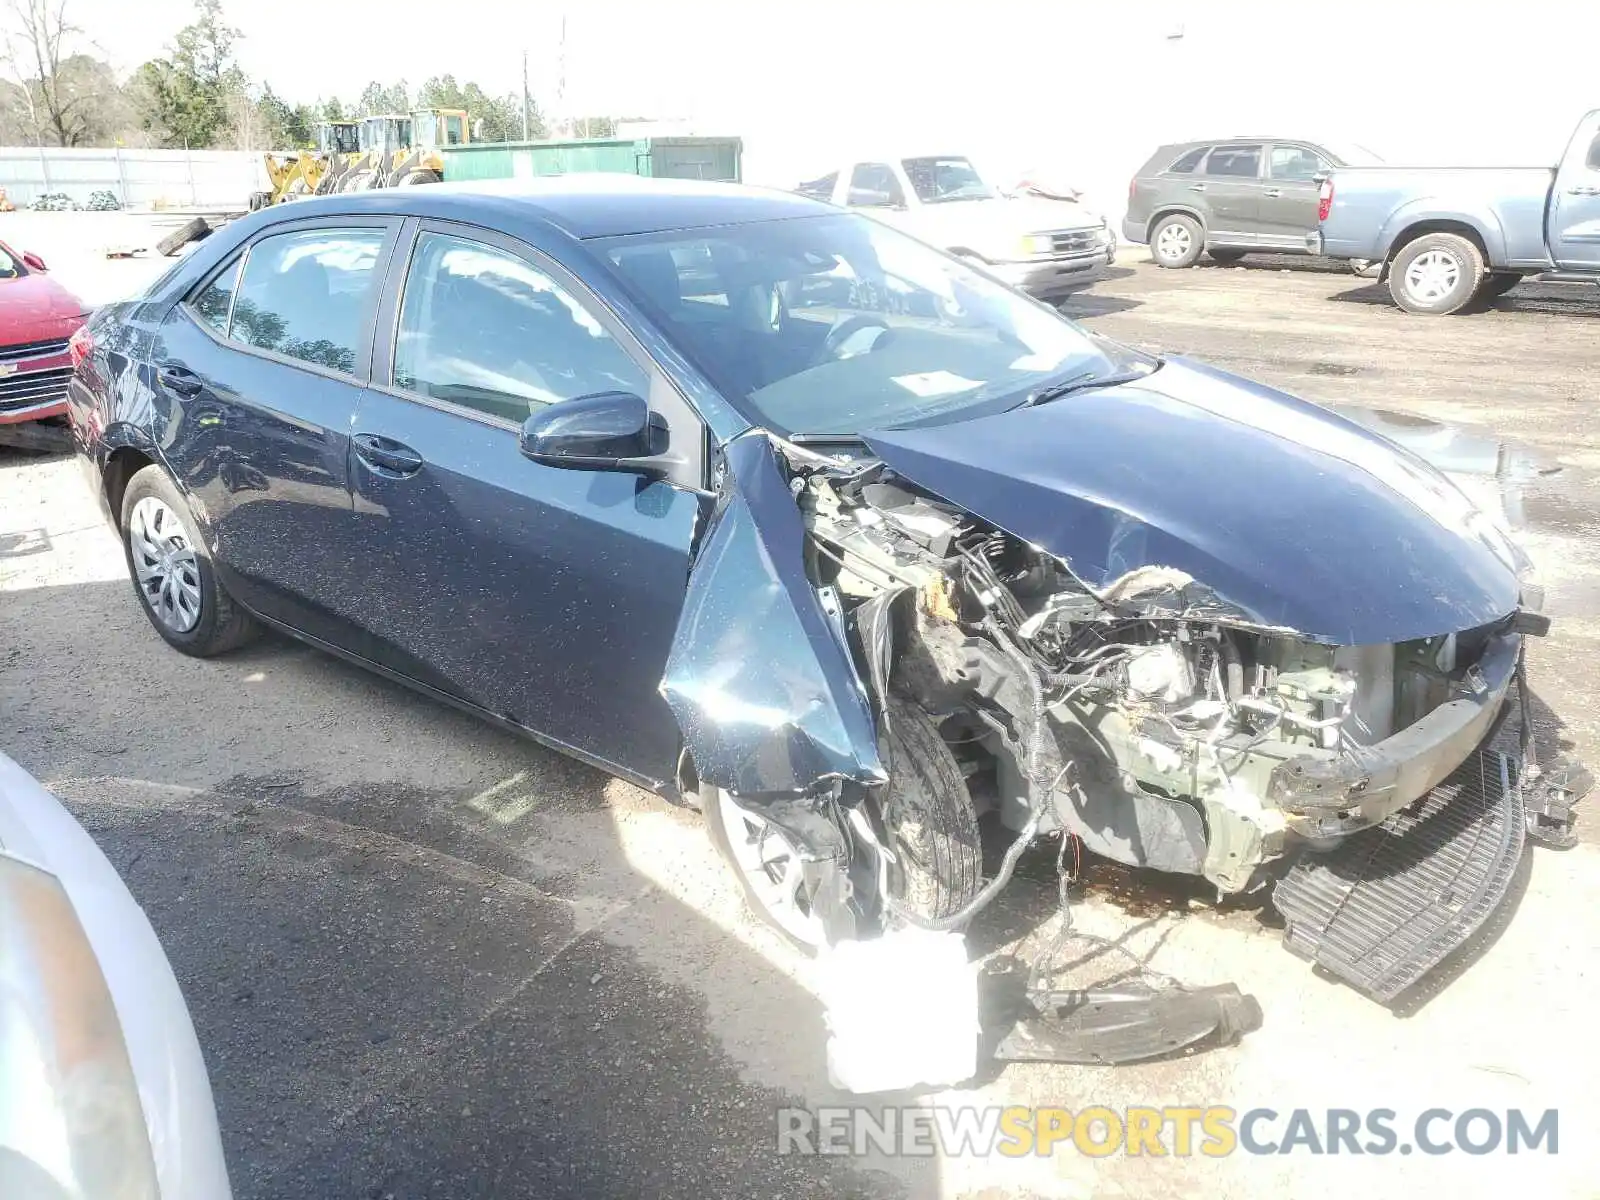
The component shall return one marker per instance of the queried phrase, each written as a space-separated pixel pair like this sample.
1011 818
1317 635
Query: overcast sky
1025 82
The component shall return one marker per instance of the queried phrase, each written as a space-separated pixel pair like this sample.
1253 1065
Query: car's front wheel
172 572
1176 241
929 823
1437 274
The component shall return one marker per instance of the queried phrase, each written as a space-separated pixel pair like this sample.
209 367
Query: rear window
1235 160
1187 164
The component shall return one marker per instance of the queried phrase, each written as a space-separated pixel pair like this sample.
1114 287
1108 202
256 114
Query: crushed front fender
760 678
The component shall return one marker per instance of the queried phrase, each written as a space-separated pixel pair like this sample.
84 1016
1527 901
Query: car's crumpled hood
1292 516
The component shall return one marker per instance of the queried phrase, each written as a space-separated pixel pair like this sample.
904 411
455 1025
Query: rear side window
1235 160
306 294
873 185
1187 164
487 330
820 189
215 301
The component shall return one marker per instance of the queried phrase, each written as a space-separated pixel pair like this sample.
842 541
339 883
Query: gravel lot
429 960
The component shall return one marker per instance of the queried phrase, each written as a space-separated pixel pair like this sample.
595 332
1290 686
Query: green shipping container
659 157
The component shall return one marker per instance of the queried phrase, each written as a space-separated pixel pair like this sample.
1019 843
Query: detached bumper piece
1386 907
1107 1026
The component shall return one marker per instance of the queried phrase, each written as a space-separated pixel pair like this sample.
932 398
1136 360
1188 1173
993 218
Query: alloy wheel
1432 275
1173 242
165 564
771 865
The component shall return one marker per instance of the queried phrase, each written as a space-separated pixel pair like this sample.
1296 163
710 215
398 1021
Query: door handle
1272 193
1583 190
1197 187
386 454
179 380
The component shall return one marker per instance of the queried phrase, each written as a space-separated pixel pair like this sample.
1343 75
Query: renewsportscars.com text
1214 1132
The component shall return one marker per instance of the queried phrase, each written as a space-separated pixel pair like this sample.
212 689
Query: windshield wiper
1081 382
825 439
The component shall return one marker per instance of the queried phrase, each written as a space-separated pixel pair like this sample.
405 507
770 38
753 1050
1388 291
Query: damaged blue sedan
781 513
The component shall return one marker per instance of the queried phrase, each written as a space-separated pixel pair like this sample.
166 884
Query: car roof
580 205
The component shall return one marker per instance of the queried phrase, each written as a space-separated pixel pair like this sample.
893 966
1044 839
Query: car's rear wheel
172 572
1224 255
1176 241
1437 274
930 825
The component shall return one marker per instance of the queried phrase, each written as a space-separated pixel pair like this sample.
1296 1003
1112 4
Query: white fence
138 178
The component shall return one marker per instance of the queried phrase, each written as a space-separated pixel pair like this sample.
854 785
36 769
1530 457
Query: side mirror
603 431
32 261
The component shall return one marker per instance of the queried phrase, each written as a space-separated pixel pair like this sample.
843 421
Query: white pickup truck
1042 246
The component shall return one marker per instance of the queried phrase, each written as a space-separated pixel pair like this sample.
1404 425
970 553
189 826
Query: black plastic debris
1105 1026
1548 801
1392 901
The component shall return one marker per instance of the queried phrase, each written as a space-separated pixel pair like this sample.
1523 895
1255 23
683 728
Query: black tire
1222 254
1182 231
222 625
1468 274
1498 283
930 824
419 177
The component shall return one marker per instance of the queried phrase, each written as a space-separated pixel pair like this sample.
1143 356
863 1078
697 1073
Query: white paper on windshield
936 383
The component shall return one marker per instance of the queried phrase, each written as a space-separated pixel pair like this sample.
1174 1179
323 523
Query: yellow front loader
297 173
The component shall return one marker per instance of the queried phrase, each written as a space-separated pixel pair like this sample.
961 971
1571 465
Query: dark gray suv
1229 196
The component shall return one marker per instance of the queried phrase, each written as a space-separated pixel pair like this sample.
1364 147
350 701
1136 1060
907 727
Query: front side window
1296 164
936 180
1594 154
306 294
215 300
873 185
837 324
1187 164
9 267
487 330
1235 160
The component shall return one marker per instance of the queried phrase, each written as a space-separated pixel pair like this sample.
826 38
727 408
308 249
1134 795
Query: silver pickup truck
1443 237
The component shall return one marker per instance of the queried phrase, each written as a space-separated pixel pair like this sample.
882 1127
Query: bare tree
54 98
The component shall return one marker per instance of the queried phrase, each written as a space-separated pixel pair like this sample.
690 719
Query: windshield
834 325
936 180
9 267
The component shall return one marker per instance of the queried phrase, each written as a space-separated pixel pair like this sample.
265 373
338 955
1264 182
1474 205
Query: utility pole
524 95
561 79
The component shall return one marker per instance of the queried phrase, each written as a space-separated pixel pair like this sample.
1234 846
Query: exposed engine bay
1143 717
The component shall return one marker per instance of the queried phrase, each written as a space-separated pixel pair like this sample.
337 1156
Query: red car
37 318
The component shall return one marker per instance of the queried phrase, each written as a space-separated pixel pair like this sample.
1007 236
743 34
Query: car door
547 596
1231 184
1289 196
1575 208
259 371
